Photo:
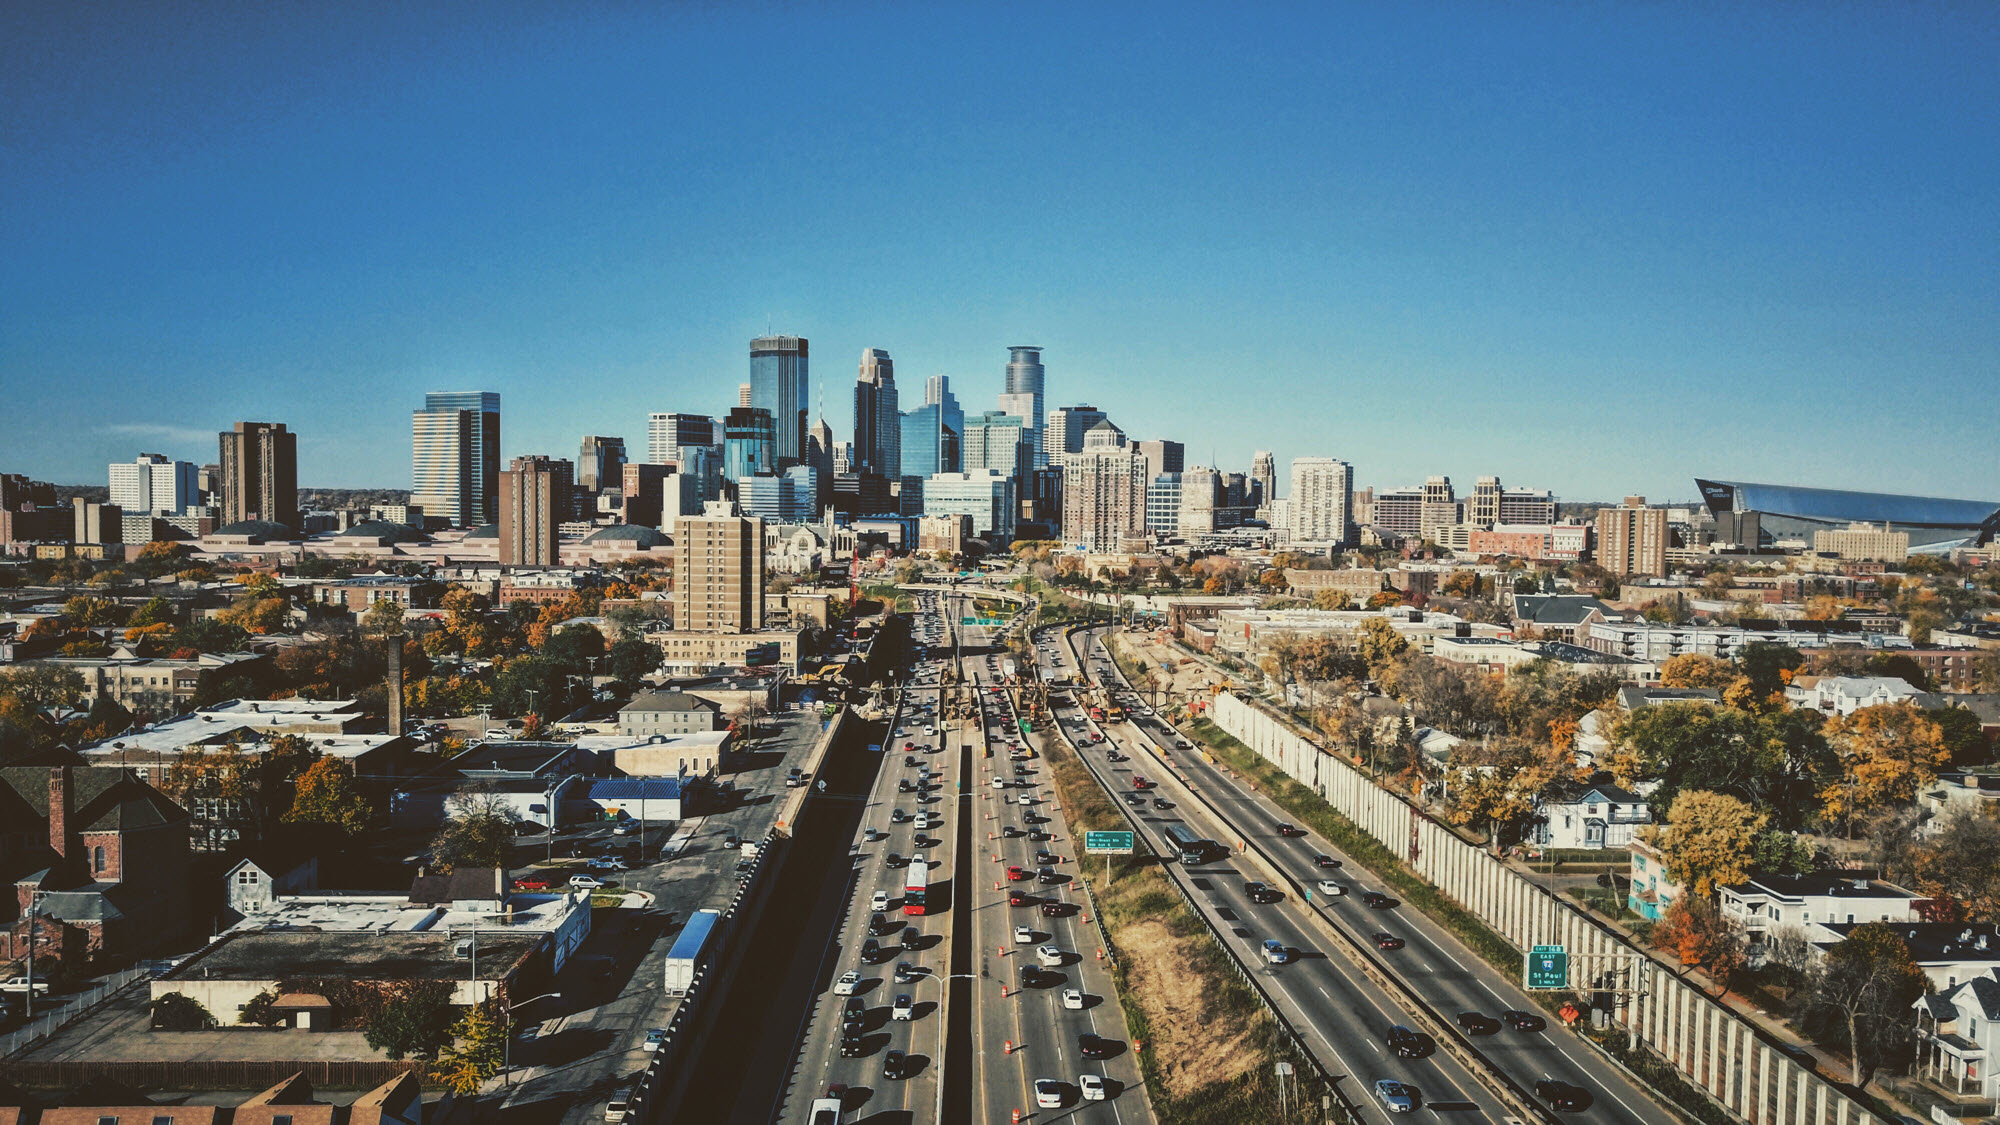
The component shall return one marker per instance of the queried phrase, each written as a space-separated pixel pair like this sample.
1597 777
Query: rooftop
1936 941
372 954
667 701
1817 884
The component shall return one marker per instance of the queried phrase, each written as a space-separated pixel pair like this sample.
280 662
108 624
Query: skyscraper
534 496
1066 427
1320 505
719 572
937 392
153 484
1440 510
455 456
668 434
779 384
1201 493
1103 490
878 426
600 463
819 455
997 441
1484 511
260 473
1022 396
749 443
1264 475
1162 457
1632 539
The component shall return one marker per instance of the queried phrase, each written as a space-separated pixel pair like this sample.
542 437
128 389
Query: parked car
585 882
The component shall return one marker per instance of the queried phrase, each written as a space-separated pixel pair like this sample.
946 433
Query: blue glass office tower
749 444
455 457
778 384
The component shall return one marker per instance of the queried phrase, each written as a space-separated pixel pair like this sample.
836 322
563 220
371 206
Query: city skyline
1596 253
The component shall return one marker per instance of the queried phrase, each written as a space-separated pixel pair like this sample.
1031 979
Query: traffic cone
1009 1049
1017 1117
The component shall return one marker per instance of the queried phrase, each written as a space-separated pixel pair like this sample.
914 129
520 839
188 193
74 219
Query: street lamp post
507 1022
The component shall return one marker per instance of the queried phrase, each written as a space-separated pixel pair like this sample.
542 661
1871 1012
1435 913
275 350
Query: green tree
262 1010
43 686
174 1011
326 795
158 611
415 1019
573 648
1707 840
632 659
477 1050
1780 853
530 683
383 618
1862 998
479 834
211 634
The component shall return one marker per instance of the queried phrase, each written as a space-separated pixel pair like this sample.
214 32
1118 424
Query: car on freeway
880 924
1010 832
1114 756
999 783
1048 1094
1396 1097
895 1065
902 1008
1072 998
1386 941
853 1013
732 842
848 983
1325 860
895 859
1048 875
1024 935
1523 1021
906 972
852 1045
1092 1046
898 816
824 1111
1091 1086
1376 900
1330 889
879 901
1275 952
1477 1023
1288 830
1016 874
655 1038
1408 1043
1049 955
1054 909
1261 892
1019 898
1561 1095
1162 803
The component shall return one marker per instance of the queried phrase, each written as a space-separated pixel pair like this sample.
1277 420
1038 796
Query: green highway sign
988 622
1548 967
1108 843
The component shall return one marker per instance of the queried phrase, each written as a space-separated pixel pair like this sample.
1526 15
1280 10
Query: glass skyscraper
455 457
1023 396
778 385
878 428
749 444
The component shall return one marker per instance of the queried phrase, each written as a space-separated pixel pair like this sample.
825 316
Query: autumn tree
479 833
1695 670
326 795
1496 784
1707 840
1957 862
1328 598
1695 930
477 1050
1378 643
1886 755
383 618
1862 998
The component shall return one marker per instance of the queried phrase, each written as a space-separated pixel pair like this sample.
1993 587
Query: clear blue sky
1597 248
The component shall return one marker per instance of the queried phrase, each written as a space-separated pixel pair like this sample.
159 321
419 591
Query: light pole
507 1026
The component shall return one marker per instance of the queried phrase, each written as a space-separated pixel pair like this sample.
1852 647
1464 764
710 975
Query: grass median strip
1210 1045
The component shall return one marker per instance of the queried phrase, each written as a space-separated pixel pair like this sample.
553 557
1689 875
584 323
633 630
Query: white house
254 884
1958 1032
1948 952
1844 695
1766 903
1596 816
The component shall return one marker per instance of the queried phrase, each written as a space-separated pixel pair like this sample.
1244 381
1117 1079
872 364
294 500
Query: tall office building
600 463
1319 504
1163 506
1162 457
1201 495
929 445
1526 505
455 456
1022 396
819 455
719 572
534 501
647 490
668 434
937 392
1632 539
997 441
788 497
1264 476
749 443
779 384
744 395
1440 510
1066 427
843 457
260 473
1484 509
153 484
878 417
989 496
1103 490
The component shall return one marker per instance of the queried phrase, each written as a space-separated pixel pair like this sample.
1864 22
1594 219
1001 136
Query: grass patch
1609 903
600 898
1179 988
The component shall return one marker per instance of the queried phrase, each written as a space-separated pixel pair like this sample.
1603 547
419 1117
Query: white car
656 1038
1049 955
1330 889
1048 1094
824 1111
1092 1086
585 882
999 783
1024 935
847 984
1072 998
879 901
903 1009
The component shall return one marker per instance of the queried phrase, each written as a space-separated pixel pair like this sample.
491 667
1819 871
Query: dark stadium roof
632 532
1837 506
386 531
257 529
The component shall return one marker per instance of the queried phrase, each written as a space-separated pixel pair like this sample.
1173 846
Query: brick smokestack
395 682
59 810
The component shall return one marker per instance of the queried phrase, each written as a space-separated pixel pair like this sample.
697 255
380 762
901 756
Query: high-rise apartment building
1103 490
534 501
1318 506
1527 505
600 463
779 383
1264 476
155 484
455 456
1864 541
1484 510
1162 457
1399 511
260 473
719 572
667 435
1022 397
1440 510
749 443
1201 494
1632 539
1066 427
878 417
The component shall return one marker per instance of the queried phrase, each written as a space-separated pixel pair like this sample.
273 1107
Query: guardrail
1445 1032
74 1007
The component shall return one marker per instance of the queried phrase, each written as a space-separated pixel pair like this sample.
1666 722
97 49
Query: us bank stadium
1765 512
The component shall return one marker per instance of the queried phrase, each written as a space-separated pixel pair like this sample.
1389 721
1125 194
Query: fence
1718 1051
71 1008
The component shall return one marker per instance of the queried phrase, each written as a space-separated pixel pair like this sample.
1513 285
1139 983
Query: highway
1026 1027
1449 976
920 941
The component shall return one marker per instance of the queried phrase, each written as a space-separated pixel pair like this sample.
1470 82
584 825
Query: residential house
668 713
1948 952
1590 816
1958 1032
1557 617
257 880
1844 695
1767 904
1653 890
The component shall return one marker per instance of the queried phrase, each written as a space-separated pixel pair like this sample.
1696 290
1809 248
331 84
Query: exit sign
1548 967
1108 843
